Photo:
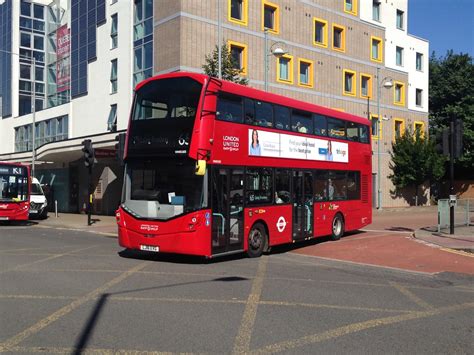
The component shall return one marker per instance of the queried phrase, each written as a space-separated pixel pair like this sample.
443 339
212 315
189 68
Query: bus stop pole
451 178
89 189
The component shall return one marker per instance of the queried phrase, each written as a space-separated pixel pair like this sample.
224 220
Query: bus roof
250 92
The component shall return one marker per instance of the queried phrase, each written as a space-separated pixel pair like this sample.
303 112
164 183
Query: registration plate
149 248
33 211
3 218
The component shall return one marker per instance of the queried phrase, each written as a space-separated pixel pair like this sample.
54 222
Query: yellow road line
45 259
242 341
90 351
35 328
356 327
458 252
7 251
200 300
330 306
423 304
37 297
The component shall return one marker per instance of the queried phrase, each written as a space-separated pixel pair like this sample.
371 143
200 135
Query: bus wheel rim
336 226
255 239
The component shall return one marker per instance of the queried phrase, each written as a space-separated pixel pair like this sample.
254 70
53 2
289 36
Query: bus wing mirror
200 167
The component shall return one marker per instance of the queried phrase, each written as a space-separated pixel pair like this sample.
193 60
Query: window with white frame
114 31
112 120
113 76
399 56
419 61
376 10
400 19
419 97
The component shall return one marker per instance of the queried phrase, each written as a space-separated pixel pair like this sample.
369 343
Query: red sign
104 153
62 58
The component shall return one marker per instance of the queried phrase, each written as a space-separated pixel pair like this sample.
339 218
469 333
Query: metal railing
463 213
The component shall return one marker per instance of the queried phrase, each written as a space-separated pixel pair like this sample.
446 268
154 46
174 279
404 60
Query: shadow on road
18 223
88 330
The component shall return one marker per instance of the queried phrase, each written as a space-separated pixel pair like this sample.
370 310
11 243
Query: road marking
175 300
421 273
423 304
356 327
27 249
330 306
43 323
37 297
386 231
459 252
242 341
79 230
90 351
45 259
199 300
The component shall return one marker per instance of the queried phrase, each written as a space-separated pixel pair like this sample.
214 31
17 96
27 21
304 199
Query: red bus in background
14 192
213 168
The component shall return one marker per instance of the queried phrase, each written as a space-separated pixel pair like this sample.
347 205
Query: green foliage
414 161
229 71
452 96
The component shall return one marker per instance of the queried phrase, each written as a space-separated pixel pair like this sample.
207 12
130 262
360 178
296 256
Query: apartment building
89 54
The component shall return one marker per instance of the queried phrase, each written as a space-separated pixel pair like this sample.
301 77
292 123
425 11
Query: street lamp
387 83
274 50
33 107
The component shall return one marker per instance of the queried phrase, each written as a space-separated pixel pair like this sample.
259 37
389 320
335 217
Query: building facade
351 55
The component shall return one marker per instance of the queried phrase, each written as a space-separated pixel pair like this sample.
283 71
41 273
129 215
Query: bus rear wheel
257 241
337 227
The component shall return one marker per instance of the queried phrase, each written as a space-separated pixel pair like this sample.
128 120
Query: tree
414 161
230 71
452 96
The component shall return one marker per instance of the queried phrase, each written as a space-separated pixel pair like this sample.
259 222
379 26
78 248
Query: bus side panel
278 220
17 211
189 234
322 219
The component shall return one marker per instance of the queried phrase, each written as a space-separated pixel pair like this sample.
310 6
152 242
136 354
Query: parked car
38 202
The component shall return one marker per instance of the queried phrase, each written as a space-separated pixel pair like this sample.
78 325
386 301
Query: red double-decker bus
14 192
212 168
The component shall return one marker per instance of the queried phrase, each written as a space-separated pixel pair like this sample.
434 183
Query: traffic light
120 147
457 136
88 151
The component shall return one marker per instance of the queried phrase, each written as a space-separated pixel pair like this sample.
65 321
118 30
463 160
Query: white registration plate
33 211
3 218
149 248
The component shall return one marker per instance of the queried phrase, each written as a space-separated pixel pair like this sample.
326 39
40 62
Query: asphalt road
71 292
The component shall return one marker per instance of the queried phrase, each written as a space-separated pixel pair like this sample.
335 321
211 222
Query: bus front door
227 210
302 204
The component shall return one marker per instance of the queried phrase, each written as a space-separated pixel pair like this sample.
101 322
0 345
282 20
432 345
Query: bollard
56 208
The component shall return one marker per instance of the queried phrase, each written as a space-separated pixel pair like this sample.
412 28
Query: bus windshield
163 117
163 188
167 98
13 184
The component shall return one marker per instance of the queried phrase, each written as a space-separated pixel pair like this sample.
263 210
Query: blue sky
447 24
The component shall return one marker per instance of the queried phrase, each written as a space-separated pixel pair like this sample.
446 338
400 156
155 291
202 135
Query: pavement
403 238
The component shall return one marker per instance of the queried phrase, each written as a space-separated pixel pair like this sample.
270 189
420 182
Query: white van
38 202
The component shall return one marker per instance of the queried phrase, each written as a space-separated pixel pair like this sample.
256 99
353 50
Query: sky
447 24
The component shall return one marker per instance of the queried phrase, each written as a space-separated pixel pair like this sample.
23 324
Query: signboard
104 153
62 59
279 145
12 170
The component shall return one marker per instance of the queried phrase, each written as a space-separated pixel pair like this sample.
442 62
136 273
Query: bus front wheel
337 227
257 241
